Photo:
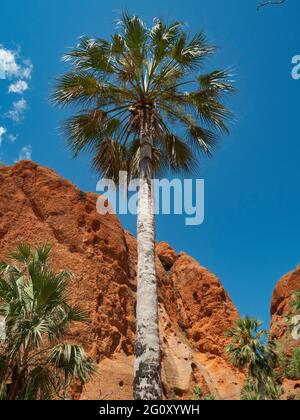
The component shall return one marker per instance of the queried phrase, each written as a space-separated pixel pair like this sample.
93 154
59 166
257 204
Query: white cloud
26 70
19 86
12 138
2 132
17 111
11 67
25 153
18 71
8 64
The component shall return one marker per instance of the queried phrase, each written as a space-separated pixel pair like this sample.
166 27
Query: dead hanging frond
270 2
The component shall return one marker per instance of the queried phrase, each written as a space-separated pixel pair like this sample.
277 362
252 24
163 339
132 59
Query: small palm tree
146 107
248 351
35 362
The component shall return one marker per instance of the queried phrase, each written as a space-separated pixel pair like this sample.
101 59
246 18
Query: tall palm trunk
147 380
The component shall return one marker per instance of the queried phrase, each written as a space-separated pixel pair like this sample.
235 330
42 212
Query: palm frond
80 87
135 32
39 384
110 158
42 253
191 53
84 129
216 82
211 111
163 37
91 54
72 361
22 253
176 154
202 140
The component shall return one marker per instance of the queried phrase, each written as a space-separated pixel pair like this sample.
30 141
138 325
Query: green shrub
210 397
293 367
197 393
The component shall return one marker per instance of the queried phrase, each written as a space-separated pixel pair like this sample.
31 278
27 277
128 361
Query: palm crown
248 350
143 70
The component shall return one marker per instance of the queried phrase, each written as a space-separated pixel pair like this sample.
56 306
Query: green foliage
143 74
295 304
247 350
250 392
274 390
210 397
254 391
282 363
197 393
293 366
34 302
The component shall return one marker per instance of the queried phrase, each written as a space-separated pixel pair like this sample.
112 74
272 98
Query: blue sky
250 236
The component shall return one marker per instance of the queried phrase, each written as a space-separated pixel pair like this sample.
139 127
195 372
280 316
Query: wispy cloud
12 138
2 132
16 113
26 70
25 153
20 86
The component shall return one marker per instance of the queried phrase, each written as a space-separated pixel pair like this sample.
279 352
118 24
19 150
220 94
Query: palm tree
248 351
146 108
34 361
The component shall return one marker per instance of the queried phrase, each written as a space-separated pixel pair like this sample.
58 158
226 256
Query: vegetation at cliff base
35 361
249 352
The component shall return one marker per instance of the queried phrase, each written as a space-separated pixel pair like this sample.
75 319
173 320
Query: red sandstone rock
166 254
39 206
280 309
280 327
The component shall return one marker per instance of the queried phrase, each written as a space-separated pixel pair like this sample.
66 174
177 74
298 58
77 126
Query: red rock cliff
280 309
39 206
280 326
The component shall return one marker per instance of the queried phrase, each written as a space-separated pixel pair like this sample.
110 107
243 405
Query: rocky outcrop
39 206
281 313
281 309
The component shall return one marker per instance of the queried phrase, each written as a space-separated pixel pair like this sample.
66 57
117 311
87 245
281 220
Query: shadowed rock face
39 206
